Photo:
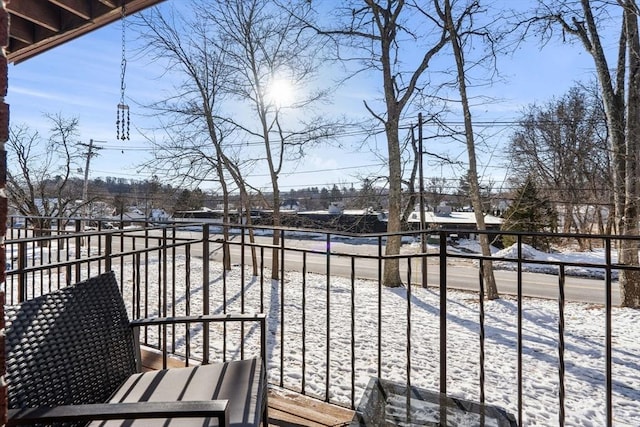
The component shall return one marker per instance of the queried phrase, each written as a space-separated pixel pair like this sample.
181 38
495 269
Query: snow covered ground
349 325
356 330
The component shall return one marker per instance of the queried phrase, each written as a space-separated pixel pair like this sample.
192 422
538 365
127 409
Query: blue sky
82 79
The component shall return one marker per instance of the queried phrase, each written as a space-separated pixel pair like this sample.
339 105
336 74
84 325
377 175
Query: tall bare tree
378 35
586 22
39 182
194 147
563 146
266 51
232 55
457 39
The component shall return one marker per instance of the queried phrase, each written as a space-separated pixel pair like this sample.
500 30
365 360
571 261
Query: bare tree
39 184
266 51
231 56
435 188
458 38
194 147
586 22
376 34
563 146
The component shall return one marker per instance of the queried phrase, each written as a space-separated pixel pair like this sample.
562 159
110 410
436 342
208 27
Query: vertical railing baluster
304 322
121 232
173 286
408 323
408 395
135 292
206 292
22 275
561 365
160 296
261 279
282 317
187 307
328 314
242 285
78 250
164 346
242 265
40 248
353 332
165 283
146 277
443 312
379 331
519 327
482 336
443 322
608 333
108 251
100 270
226 254
60 270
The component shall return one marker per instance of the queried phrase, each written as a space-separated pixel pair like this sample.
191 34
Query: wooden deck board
286 409
292 409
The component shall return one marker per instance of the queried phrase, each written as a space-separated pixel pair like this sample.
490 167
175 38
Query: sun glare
281 93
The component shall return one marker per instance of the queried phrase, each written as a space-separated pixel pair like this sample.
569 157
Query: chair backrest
71 346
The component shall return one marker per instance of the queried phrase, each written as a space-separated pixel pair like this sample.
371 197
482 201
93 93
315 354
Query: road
461 274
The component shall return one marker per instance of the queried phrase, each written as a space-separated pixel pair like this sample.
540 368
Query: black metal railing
317 329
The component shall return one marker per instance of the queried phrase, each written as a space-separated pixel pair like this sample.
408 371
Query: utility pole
85 185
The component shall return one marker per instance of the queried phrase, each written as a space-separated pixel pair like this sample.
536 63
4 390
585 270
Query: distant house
159 215
127 218
446 219
291 205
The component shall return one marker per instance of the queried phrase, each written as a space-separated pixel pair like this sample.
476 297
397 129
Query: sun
280 93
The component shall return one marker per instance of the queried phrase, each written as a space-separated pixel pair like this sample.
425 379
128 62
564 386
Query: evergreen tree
336 195
530 213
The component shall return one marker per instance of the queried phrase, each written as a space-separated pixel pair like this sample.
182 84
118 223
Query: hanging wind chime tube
122 120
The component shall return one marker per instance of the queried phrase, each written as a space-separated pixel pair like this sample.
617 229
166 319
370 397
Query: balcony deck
286 409
335 278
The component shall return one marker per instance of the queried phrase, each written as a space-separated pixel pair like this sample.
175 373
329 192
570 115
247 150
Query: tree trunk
246 205
275 257
476 200
226 257
622 134
391 276
630 280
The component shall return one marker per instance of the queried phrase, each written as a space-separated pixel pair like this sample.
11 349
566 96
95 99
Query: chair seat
243 384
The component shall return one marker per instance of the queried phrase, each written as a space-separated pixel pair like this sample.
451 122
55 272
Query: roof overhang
36 26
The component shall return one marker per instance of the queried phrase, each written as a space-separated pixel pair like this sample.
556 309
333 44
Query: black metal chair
73 357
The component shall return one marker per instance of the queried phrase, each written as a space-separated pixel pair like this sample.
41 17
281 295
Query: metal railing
320 342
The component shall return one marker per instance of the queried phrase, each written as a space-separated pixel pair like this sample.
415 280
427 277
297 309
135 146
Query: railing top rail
69 234
146 224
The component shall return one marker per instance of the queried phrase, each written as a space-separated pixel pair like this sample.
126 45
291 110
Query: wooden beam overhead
111 3
81 8
41 13
39 25
21 30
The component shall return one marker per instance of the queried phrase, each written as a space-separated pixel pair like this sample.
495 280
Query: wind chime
122 121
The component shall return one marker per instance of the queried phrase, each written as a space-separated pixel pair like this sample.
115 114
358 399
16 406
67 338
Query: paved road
461 274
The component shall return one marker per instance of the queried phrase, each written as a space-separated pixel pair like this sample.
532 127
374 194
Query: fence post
22 275
108 249
443 312
205 291
78 238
